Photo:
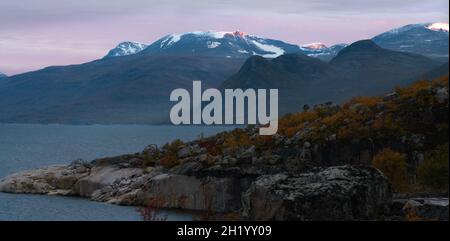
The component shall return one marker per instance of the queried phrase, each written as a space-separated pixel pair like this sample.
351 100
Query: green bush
433 172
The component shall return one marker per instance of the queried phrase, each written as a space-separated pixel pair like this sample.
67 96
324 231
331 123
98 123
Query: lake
28 146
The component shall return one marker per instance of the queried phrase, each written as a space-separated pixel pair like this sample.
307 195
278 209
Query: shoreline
120 188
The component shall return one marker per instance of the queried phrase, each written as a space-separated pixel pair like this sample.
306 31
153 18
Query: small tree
433 172
393 165
170 157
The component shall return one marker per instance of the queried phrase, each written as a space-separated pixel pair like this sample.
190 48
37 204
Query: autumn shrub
174 146
170 157
394 166
366 101
387 126
433 172
169 161
413 90
150 158
237 138
298 118
211 147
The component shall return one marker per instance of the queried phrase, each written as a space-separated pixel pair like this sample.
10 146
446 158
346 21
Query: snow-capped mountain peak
321 51
429 39
438 27
126 48
174 38
2 75
230 44
316 46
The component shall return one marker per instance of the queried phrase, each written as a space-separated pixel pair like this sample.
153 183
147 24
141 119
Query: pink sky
33 36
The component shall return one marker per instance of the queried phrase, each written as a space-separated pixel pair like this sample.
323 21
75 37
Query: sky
39 33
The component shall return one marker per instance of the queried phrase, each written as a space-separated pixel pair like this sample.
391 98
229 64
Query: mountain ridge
428 39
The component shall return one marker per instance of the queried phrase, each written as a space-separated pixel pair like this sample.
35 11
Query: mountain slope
294 75
430 39
2 75
364 63
363 68
129 89
225 44
436 72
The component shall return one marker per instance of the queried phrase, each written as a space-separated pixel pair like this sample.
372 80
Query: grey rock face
442 95
335 193
338 193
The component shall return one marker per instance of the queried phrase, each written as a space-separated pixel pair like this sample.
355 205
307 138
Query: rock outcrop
342 193
335 193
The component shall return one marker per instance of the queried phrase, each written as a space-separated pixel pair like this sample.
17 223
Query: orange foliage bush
169 161
211 147
237 138
393 165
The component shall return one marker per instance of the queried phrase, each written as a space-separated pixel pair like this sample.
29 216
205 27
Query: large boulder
334 193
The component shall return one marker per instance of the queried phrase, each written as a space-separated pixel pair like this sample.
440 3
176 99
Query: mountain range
2 75
132 83
225 44
429 39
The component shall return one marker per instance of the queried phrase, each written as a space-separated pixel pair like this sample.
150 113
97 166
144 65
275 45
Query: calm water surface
28 146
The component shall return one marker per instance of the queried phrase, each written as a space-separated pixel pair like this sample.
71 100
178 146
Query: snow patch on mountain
438 27
211 34
274 50
173 38
316 46
170 40
212 45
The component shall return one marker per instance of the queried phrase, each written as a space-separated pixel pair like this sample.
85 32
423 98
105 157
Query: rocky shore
342 192
248 192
